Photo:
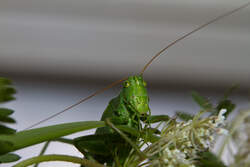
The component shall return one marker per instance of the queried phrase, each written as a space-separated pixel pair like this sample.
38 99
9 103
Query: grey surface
109 39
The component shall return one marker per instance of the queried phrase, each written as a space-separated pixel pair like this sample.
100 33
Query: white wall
72 38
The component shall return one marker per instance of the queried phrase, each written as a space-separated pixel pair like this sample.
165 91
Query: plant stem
142 155
43 151
56 157
64 140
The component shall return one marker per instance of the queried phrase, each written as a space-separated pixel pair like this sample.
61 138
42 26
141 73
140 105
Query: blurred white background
59 51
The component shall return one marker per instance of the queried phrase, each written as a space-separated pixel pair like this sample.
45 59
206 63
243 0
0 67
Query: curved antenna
144 68
77 103
191 32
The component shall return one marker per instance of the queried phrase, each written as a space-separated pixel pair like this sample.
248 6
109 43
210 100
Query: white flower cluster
181 141
175 158
207 128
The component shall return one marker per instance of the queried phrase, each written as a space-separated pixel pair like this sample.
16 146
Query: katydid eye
144 83
126 84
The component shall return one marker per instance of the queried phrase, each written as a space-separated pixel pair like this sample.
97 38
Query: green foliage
157 118
11 141
6 130
226 103
4 115
184 116
101 146
150 134
208 159
4 112
6 94
130 130
6 146
6 91
35 136
10 157
202 101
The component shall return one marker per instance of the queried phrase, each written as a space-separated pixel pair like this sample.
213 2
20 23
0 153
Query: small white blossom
174 158
221 118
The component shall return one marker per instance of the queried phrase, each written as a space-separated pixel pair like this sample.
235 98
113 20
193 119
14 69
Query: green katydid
129 108
125 109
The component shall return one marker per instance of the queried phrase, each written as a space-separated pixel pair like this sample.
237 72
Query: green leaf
5 146
7 119
150 135
64 140
203 102
6 94
184 116
35 136
157 118
10 157
5 112
6 91
208 159
96 143
128 129
4 81
225 104
6 130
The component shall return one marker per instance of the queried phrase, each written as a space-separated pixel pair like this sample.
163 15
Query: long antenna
144 68
191 32
77 103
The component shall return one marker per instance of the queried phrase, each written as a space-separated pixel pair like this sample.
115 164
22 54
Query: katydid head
135 94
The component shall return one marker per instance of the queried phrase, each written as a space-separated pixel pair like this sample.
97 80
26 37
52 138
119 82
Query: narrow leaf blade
203 102
4 81
35 136
184 116
6 112
225 104
6 130
10 157
157 118
7 119
5 146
